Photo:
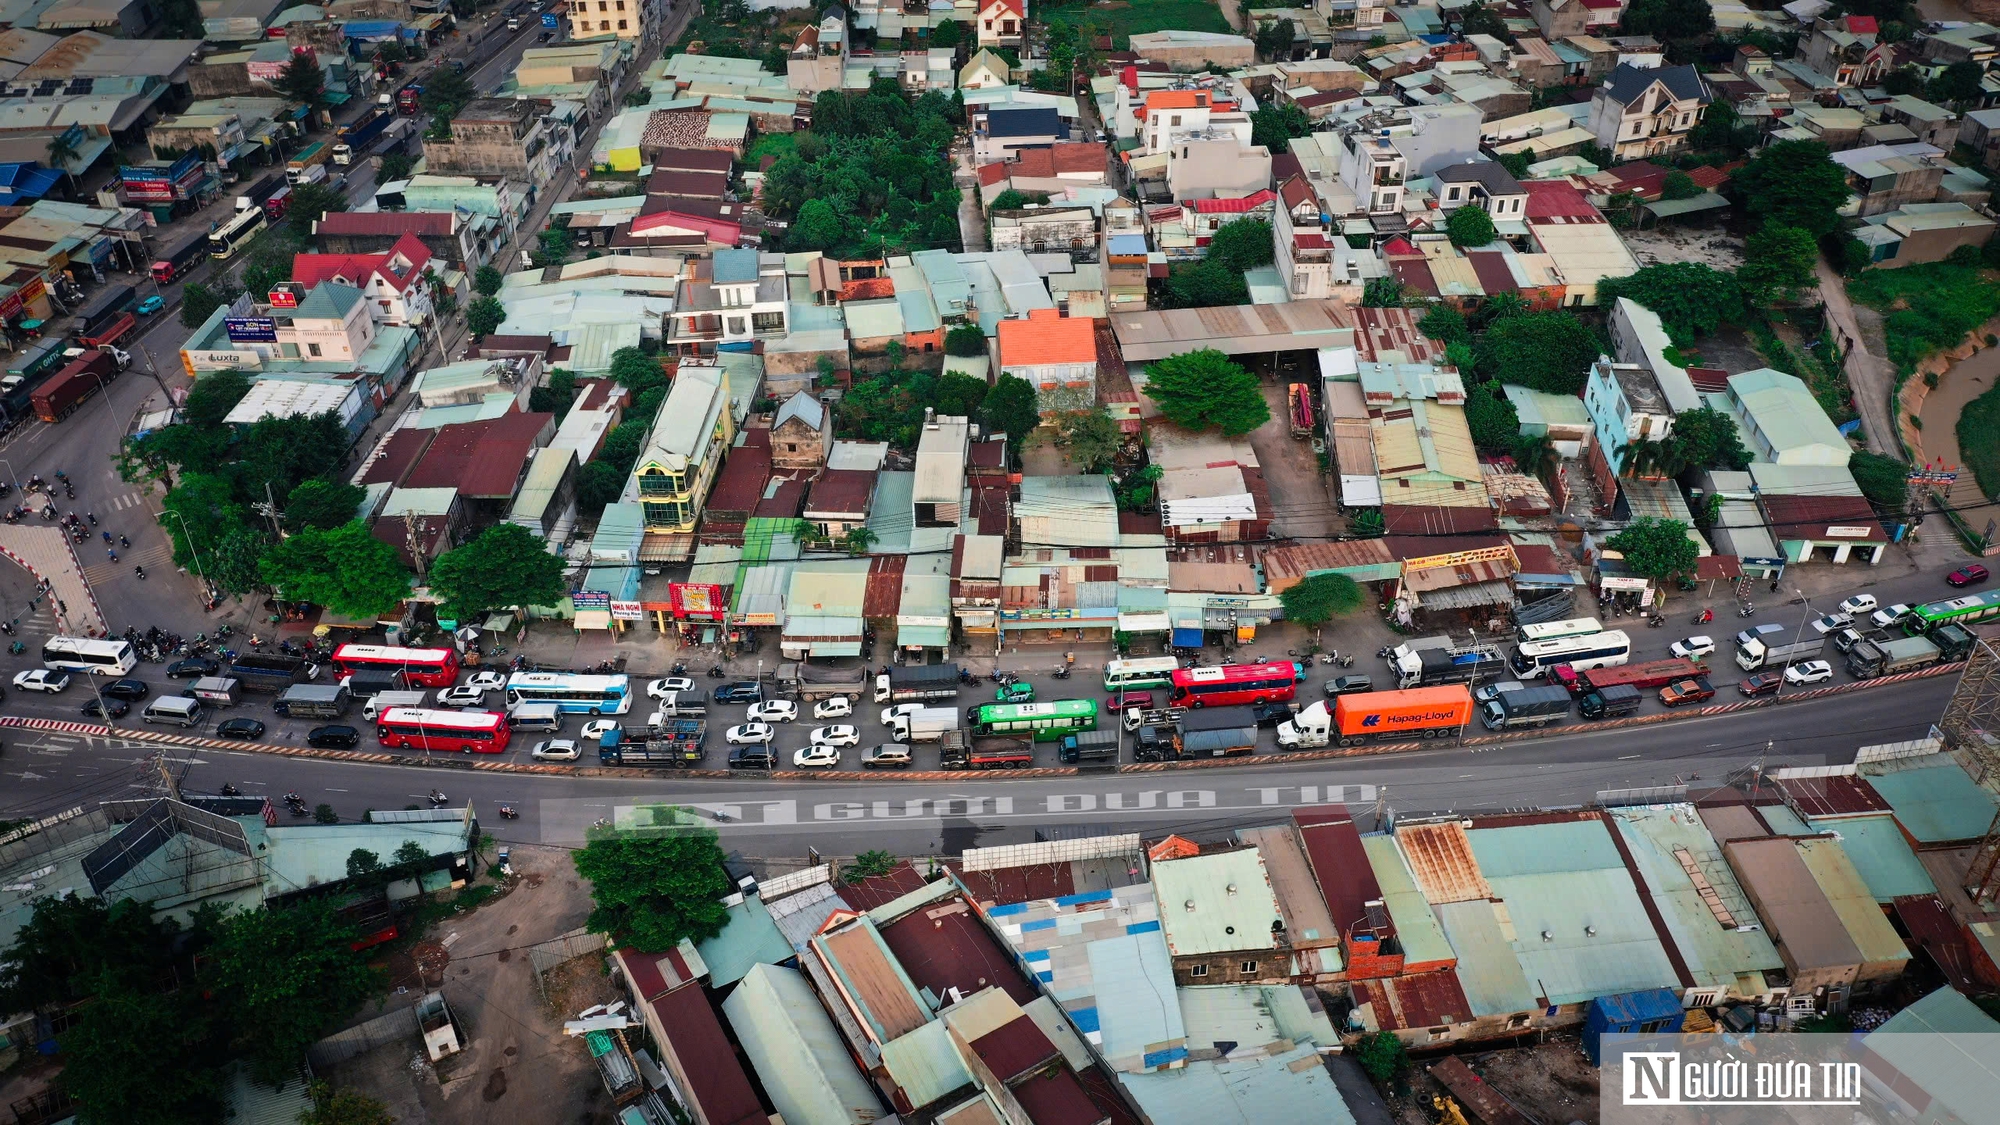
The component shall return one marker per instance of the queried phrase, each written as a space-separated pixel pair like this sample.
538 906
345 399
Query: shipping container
1649 674
1429 712
70 387
182 258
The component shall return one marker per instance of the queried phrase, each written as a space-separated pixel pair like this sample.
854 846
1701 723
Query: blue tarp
25 182
371 29
1187 638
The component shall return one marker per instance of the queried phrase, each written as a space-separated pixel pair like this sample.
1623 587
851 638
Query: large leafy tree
1776 260
1496 426
1690 298
1206 388
344 1106
310 203
484 316
487 281
965 340
1669 19
1205 284
200 299
303 81
650 889
1314 601
1885 481
1706 438
274 455
1655 548
204 507
1549 351
1793 184
956 394
1957 84
1276 126
1470 226
142 1057
345 569
1011 408
1092 437
506 567
286 975
1242 245
72 946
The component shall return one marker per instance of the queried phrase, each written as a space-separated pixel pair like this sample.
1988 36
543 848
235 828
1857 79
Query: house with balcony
1002 23
683 454
1379 149
395 285
1626 406
734 298
1483 184
1638 113
1848 50
1055 354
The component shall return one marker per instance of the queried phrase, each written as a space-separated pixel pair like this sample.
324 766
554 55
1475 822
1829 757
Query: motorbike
92 517
231 791
1347 661
301 810
717 672
1655 621
124 542
1061 673
1746 610
7 627
1385 652
680 668
965 676
507 813
17 648
437 798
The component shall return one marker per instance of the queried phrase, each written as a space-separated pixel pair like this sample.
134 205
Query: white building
1640 113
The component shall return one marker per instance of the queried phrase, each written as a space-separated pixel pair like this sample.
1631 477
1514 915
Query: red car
1967 575
1119 701
1763 683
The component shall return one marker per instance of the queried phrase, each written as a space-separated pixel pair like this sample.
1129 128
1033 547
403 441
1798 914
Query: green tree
484 316
818 227
274 455
205 507
232 563
61 152
322 502
1275 38
1549 351
1276 126
1011 408
487 281
269 263
1516 164
1537 457
1655 548
1012 200
1793 184
1446 324
345 569
1777 260
302 81
71 946
286 975
1669 19
1093 438
344 1107
1242 245
950 33
635 370
1382 1056
1691 298
1206 388
966 340
200 299
1883 480
395 166
556 395
182 19
1382 293
1706 438
1957 84
310 203
1720 129
212 397
1495 425
598 484
361 863
651 889
1312 602
1500 306
1470 226
445 90
1205 284
556 244
506 567
1903 81
1679 185
958 395
142 1057
871 864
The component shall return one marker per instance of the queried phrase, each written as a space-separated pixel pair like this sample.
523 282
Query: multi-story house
1626 406
734 297
800 432
1380 149
1638 113
396 285
460 239
819 56
1847 49
1002 23
627 19
1046 229
999 134
519 139
1055 354
1483 184
684 452
1560 19
1220 919
1212 162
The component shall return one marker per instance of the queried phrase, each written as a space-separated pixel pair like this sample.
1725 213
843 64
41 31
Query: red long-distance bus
465 732
431 667
1233 684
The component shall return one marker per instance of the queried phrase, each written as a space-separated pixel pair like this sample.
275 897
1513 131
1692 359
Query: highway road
768 818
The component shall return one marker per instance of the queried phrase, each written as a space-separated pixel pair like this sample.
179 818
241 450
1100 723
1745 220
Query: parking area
1302 499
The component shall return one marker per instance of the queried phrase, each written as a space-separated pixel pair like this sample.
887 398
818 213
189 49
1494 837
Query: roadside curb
599 772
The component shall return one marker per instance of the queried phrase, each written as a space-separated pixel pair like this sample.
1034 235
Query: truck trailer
1089 747
674 745
354 137
315 155
1760 653
1536 706
269 673
312 701
991 753
1217 732
1610 702
182 258
928 725
1456 664
1886 658
1425 712
1643 676
814 684
69 388
917 683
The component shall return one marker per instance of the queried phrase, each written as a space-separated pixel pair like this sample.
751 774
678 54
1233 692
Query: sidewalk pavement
45 552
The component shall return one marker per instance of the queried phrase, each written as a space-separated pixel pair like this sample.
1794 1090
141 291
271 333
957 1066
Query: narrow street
1871 377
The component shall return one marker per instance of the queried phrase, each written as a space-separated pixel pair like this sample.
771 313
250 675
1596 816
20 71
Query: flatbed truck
991 753
680 742
814 684
917 683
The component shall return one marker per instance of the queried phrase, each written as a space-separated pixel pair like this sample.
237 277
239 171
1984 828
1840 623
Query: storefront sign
283 299
590 599
1460 558
1614 583
1839 532
221 360
698 599
33 291
765 619
627 611
251 329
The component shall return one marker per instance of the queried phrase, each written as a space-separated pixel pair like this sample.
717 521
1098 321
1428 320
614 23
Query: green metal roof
750 938
1540 849
796 1050
1936 803
1583 934
925 1063
1881 854
1416 927
1216 902
1716 955
1489 972
1845 891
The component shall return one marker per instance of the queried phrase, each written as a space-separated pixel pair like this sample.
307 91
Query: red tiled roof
867 288
1047 337
1555 200
435 223
1014 6
944 945
1175 99
1235 206
401 451
1296 193
357 269
1013 1049
700 185
483 460
1416 274
1077 156
1709 177
1400 247
994 173
1863 25
714 230
719 1088
1056 1098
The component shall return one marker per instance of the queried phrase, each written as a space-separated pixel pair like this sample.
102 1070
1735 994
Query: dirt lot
1552 1083
517 1064
1710 247
1301 495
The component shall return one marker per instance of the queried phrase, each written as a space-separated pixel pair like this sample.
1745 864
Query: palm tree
62 152
1537 457
1502 305
1641 457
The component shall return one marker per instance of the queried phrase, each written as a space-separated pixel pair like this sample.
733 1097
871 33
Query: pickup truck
1697 690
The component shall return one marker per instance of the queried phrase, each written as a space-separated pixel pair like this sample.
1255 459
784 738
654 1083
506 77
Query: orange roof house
1055 353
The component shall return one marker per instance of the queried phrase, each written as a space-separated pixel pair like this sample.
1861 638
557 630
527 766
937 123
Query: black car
192 667
1348 685
239 728
751 758
117 708
1271 714
742 691
125 689
334 738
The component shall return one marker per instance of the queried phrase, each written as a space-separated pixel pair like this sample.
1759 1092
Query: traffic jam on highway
430 701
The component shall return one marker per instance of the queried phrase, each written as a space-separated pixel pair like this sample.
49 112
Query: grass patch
1124 20
774 145
1927 308
1979 440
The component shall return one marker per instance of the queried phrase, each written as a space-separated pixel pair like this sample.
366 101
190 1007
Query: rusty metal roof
1440 856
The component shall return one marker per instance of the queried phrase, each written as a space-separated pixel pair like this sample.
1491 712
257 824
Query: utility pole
269 510
413 538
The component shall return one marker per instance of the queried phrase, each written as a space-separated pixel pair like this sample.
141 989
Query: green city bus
1045 722
1952 611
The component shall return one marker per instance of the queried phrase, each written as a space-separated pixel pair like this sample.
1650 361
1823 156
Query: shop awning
666 548
835 648
593 619
924 636
1145 623
1185 637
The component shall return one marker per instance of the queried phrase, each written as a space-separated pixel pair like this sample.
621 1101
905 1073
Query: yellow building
671 479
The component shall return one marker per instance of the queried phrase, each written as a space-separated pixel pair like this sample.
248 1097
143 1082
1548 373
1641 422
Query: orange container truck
1425 712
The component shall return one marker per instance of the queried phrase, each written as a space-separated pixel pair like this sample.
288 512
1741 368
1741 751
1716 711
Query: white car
598 728
555 750
1694 648
1859 603
842 735
1831 623
1809 672
816 756
749 734
41 679
773 711
1887 618
839 707
889 713
658 689
486 681
464 695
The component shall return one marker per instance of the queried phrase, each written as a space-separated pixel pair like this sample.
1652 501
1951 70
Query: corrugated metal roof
871 977
1293 1086
797 1051
800 916
1848 894
979 1111
748 938
926 1064
1417 928
1881 854
1243 1021
1663 842
1837 795
1540 849
1307 921
1791 904
1583 934
1216 902
1934 803
1939 1045
1488 971
1441 860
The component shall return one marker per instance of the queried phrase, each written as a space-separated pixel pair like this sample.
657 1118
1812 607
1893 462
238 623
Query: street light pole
1796 638
194 554
10 473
